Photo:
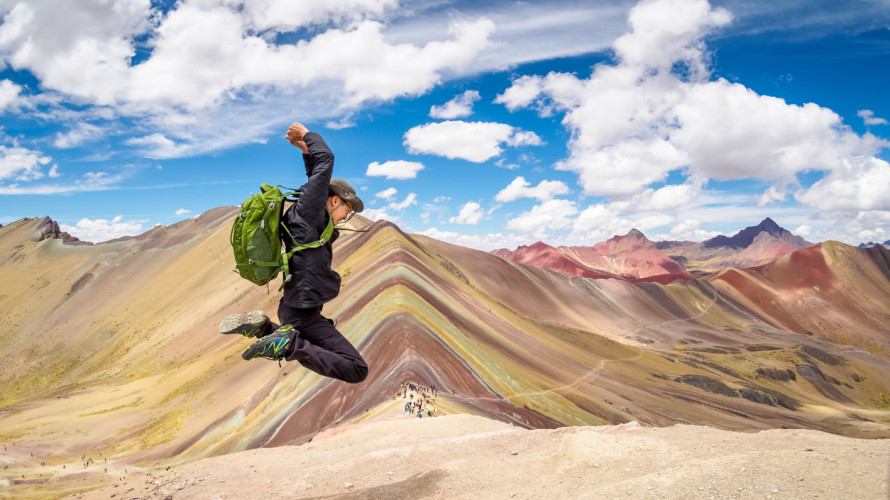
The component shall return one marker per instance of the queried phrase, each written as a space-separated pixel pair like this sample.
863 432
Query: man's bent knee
358 374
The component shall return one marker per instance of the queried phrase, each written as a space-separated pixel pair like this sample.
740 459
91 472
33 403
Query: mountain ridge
634 257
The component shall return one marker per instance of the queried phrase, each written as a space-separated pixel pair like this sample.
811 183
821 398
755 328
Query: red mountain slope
631 257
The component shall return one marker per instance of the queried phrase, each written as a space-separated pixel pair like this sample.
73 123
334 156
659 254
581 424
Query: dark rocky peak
746 236
49 229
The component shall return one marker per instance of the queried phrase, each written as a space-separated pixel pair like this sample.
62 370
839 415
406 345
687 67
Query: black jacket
313 282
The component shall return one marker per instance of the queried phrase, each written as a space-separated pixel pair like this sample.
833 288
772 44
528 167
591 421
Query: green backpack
256 239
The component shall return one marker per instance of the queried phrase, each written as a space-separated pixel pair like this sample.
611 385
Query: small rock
390 473
514 453
596 466
775 490
348 485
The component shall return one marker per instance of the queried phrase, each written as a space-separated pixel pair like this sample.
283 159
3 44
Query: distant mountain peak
746 236
769 226
636 234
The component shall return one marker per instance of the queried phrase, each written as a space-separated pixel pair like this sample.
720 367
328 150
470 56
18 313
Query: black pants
320 347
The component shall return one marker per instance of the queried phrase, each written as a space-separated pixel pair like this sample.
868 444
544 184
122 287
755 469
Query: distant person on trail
305 335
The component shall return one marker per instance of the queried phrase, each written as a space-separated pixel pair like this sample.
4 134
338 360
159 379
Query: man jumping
305 335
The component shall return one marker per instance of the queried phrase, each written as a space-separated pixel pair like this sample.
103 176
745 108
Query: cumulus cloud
398 169
357 59
690 230
472 141
857 184
485 242
470 213
192 60
387 193
664 199
550 215
183 211
287 15
459 107
520 188
9 94
867 115
99 230
774 193
655 109
21 164
391 211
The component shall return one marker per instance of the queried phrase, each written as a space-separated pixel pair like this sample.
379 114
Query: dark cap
345 191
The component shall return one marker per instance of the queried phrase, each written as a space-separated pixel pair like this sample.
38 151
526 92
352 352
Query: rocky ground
393 455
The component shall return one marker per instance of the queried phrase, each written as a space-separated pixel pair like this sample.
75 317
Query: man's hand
295 136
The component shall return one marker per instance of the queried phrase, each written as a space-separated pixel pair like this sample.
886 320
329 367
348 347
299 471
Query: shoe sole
244 324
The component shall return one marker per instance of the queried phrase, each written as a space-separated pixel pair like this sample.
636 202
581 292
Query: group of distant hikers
426 398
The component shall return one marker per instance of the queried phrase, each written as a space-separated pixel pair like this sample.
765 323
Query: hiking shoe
255 324
272 347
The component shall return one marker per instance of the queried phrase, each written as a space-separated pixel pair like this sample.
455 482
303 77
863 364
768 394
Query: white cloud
100 230
470 213
803 230
54 172
79 134
90 181
357 60
637 119
857 184
387 193
410 200
9 94
398 169
867 115
667 198
183 211
550 215
472 141
21 164
142 61
390 211
667 31
287 15
159 146
690 230
459 107
485 242
519 188
522 93
776 192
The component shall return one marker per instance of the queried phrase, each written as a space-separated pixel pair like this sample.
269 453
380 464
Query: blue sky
486 124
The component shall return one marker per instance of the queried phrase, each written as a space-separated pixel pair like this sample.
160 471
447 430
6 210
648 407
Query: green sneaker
272 347
254 324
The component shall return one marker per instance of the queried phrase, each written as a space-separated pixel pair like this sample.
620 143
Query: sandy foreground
394 455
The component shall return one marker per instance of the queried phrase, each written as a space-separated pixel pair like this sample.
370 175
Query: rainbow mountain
113 348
